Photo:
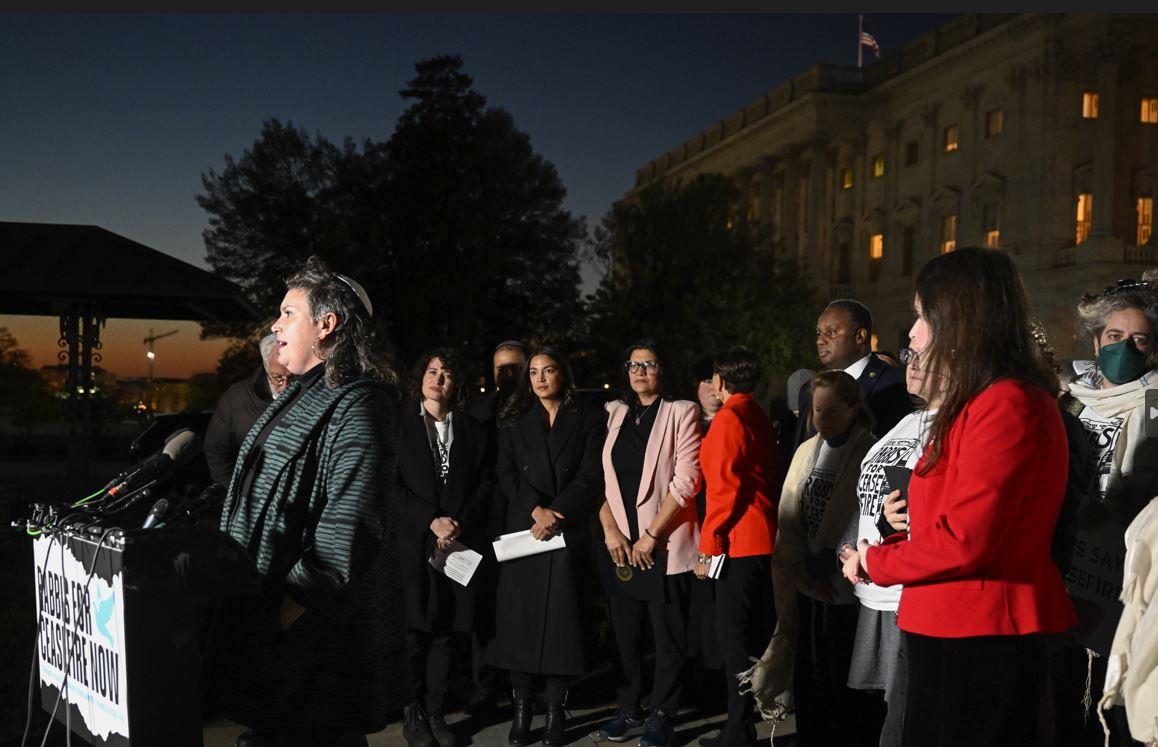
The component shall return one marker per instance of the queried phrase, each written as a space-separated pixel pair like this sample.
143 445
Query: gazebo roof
49 265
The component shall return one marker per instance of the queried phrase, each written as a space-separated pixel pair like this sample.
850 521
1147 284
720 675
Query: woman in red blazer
980 589
742 475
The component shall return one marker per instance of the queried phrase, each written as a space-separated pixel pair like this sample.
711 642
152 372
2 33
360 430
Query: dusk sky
110 119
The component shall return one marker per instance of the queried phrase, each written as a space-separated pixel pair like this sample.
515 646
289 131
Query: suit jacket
318 522
743 476
236 412
977 558
432 600
544 600
671 464
883 388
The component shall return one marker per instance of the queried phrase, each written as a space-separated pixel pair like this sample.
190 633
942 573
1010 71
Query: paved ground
493 733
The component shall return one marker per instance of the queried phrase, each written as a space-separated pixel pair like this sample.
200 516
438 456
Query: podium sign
81 623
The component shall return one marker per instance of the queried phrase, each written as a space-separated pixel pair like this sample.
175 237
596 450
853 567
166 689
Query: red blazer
742 475
977 558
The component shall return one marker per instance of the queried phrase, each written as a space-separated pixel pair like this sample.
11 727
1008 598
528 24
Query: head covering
796 380
358 291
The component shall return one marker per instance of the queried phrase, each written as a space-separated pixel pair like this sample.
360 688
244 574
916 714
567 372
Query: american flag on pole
867 40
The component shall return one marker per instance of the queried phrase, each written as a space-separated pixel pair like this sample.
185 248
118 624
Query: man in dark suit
240 407
844 342
509 361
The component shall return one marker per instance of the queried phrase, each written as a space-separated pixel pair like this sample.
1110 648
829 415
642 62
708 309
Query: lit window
991 225
1145 219
994 122
878 165
949 141
1150 111
1089 105
1084 217
846 178
912 152
877 246
948 233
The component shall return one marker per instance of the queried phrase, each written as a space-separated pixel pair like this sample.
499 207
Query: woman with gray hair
1109 394
320 650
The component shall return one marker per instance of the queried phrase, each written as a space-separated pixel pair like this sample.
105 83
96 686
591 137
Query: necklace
639 415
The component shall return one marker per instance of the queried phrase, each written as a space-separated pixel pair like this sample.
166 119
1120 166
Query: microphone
155 513
179 448
191 509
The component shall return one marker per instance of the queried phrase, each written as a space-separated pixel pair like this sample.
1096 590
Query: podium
117 617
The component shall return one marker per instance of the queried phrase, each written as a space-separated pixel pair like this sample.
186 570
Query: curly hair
1095 309
352 350
452 364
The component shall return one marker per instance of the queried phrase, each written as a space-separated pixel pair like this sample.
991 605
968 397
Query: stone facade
975 128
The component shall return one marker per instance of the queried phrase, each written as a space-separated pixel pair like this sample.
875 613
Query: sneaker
416 728
657 730
441 732
617 728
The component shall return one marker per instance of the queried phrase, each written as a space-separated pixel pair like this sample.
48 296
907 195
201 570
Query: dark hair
667 374
975 304
699 370
860 315
511 344
452 364
525 398
739 369
352 350
844 386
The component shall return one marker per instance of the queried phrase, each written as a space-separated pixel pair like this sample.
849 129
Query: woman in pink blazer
651 467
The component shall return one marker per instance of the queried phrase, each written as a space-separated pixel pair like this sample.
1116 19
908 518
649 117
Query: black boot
553 731
520 721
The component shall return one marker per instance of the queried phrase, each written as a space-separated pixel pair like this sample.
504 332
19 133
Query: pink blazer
671 463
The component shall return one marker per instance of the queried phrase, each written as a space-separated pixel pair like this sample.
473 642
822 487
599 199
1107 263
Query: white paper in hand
457 562
522 544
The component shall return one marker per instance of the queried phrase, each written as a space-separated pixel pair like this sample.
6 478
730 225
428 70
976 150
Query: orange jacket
742 473
977 558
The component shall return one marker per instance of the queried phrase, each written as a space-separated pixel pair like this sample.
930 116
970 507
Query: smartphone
898 479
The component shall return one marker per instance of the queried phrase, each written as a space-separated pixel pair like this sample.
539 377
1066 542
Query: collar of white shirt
856 369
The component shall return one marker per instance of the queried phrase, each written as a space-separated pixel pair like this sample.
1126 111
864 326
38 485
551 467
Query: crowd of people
889 567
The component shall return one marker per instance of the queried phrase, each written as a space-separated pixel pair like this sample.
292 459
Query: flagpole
859 42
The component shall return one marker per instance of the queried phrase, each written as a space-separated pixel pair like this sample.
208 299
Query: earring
314 349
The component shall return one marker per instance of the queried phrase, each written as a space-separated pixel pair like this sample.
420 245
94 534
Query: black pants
554 691
430 659
828 711
971 691
669 631
745 619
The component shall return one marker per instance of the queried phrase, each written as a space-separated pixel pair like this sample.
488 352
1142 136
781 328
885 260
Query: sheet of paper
522 544
457 562
716 567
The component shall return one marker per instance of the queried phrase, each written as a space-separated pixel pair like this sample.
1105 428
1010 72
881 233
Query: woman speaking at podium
319 651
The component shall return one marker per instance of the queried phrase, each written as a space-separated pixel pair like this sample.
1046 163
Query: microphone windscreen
183 446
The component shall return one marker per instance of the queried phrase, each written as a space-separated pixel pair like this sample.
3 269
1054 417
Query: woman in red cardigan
742 474
980 589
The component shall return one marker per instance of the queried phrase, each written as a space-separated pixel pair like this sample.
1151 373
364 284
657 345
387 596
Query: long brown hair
978 315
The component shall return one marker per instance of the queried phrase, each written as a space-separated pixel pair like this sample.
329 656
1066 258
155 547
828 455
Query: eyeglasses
907 355
648 367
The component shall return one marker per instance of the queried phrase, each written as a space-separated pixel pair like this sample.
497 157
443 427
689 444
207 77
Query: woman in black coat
443 487
549 470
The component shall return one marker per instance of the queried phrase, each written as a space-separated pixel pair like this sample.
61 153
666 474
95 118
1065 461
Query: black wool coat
236 412
320 526
544 600
434 603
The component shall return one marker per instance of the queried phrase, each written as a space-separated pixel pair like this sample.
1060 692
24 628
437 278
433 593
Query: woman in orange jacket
980 588
742 474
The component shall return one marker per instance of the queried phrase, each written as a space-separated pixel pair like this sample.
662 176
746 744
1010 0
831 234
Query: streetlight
151 355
